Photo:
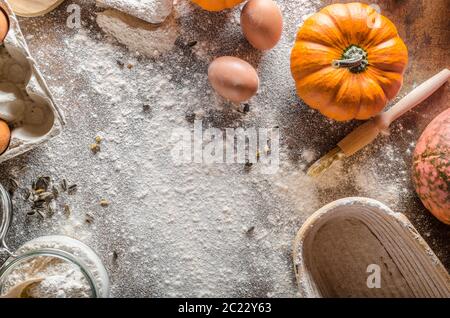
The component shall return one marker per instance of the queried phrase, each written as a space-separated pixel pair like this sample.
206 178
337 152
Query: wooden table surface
136 253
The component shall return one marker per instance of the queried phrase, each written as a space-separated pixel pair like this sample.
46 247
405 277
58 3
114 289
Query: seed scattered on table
43 195
95 148
89 218
14 185
120 63
67 211
250 230
42 184
64 185
55 192
72 189
26 194
192 43
41 213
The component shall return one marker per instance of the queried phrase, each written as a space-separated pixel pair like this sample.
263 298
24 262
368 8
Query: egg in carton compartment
26 102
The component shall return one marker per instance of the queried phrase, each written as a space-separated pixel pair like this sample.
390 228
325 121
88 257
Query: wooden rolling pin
369 131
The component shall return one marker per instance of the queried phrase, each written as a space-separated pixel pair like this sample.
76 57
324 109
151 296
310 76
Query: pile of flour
137 35
61 279
152 11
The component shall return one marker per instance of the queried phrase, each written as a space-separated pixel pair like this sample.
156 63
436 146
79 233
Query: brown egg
4 24
233 78
5 136
262 23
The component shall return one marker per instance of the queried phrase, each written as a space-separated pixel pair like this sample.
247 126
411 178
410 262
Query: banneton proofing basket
26 103
358 247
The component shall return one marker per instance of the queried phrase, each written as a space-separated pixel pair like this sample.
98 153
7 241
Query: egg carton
26 102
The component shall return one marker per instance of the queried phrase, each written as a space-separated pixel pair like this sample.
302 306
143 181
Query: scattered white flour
191 230
139 36
309 155
152 11
61 279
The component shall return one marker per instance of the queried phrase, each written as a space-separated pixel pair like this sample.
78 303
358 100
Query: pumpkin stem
356 61
354 58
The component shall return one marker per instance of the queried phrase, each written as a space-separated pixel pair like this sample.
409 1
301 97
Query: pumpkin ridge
306 80
327 46
358 108
342 28
375 79
389 25
338 101
322 32
335 93
374 45
299 47
355 14
318 69
378 56
338 27
349 16
376 74
370 102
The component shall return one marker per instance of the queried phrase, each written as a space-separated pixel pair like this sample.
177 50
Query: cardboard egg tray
26 103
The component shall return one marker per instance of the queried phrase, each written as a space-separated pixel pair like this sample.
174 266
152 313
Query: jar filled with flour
57 266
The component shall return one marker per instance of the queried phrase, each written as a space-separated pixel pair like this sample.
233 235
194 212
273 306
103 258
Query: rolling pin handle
417 96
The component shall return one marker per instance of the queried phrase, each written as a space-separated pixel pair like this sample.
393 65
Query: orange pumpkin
217 5
348 61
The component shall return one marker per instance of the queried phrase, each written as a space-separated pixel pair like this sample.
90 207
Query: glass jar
6 218
60 247
17 262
